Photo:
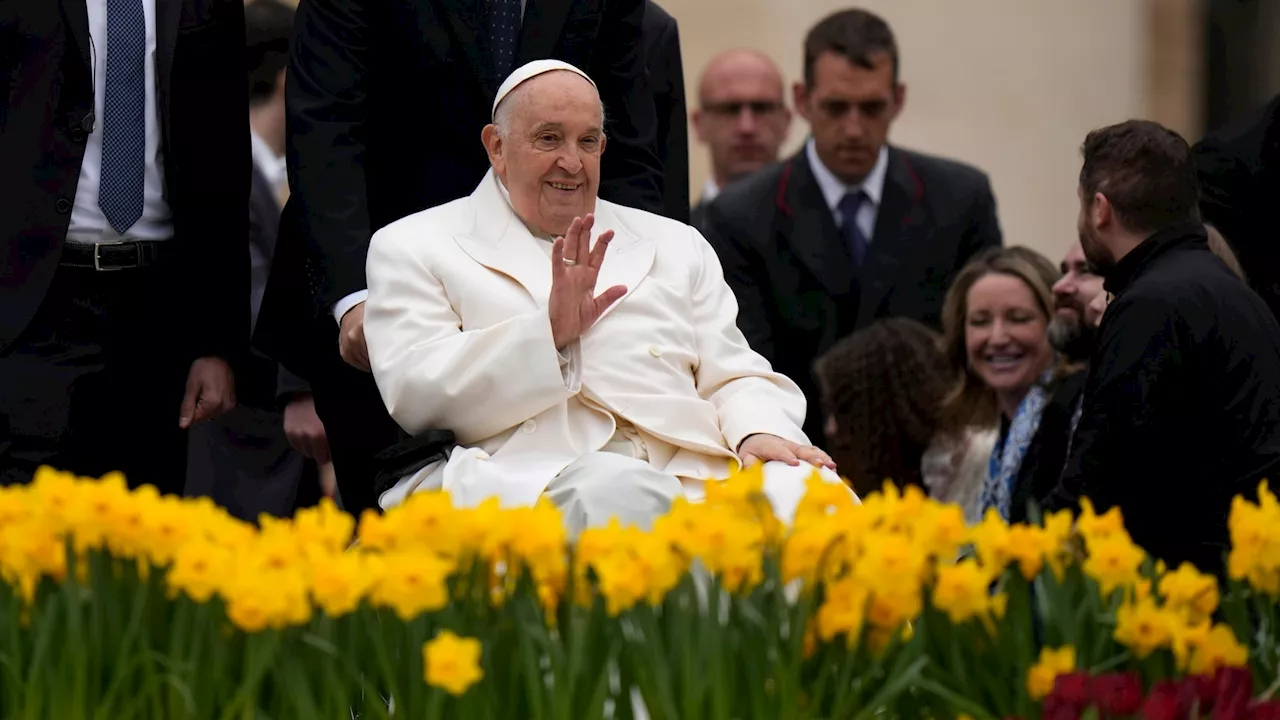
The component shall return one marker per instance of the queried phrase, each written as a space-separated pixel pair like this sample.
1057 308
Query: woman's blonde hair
970 401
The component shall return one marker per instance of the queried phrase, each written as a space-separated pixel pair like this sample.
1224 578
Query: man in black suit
1238 167
660 35
850 229
386 99
244 459
124 155
742 118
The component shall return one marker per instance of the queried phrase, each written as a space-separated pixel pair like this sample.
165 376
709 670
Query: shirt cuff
343 306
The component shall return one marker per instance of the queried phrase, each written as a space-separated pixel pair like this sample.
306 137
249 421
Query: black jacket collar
1141 258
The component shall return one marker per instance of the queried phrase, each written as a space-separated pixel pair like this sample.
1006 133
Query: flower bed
122 604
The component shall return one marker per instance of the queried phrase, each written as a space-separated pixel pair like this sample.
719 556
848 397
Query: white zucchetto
531 70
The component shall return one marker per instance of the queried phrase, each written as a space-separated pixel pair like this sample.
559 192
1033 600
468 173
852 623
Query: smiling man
579 350
1074 327
851 228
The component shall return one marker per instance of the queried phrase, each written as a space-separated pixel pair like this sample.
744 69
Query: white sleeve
749 397
434 375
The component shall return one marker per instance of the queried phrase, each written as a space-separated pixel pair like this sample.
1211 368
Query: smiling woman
996 319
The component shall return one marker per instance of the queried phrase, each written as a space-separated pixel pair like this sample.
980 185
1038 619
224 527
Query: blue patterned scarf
1007 455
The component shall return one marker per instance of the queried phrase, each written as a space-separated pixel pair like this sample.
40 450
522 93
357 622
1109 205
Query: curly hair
970 401
883 388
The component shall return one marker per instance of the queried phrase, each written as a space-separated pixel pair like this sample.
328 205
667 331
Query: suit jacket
660 36
459 338
1239 171
46 113
386 101
797 287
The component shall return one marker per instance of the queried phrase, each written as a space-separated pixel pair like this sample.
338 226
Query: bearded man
608 375
1073 331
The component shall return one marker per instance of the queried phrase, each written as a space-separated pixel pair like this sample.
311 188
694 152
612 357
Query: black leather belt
104 257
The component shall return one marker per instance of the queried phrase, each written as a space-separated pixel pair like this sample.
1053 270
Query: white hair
504 114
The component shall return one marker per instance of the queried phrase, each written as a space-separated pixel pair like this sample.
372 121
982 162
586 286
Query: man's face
549 160
1077 287
743 119
1071 330
1094 212
849 110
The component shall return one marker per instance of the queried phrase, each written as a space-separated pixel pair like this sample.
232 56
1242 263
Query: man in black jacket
386 101
1182 405
850 229
124 271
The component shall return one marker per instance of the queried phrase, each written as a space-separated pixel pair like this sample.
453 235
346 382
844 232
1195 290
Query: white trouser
600 486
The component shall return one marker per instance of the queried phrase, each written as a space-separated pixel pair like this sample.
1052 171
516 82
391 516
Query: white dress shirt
344 305
834 189
269 164
88 223
709 190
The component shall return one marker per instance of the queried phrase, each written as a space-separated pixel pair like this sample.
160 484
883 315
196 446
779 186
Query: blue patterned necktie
850 204
504 19
124 120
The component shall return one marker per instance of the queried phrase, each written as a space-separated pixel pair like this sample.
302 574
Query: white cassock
642 408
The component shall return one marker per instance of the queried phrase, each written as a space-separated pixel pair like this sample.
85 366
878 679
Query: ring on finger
569 262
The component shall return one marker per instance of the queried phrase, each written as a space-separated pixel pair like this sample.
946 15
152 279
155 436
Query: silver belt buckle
97 257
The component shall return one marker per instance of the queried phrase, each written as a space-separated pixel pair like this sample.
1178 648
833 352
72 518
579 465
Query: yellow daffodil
1052 663
452 663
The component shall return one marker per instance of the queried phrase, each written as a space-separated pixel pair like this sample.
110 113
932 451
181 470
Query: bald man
741 117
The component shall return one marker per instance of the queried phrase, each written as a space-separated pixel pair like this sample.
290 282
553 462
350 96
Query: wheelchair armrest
411 455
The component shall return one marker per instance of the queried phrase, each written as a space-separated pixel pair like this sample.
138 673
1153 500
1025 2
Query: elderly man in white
609 376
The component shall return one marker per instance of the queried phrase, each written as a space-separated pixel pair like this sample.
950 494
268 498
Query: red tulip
1055 708
1234 691
1206 689
1269 710
1117 693
1072 689
1167 701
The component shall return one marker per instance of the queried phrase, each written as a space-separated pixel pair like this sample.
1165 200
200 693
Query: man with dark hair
850 229
1071 332
244 460
124 159
1181 409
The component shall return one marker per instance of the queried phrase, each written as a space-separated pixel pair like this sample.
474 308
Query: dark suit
386 101
93 364
1239 171
243 460
661 38
797 287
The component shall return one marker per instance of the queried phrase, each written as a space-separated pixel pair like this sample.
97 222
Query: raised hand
574 307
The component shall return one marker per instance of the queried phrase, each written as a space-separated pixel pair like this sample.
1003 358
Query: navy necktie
504 21
124 122
854 239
